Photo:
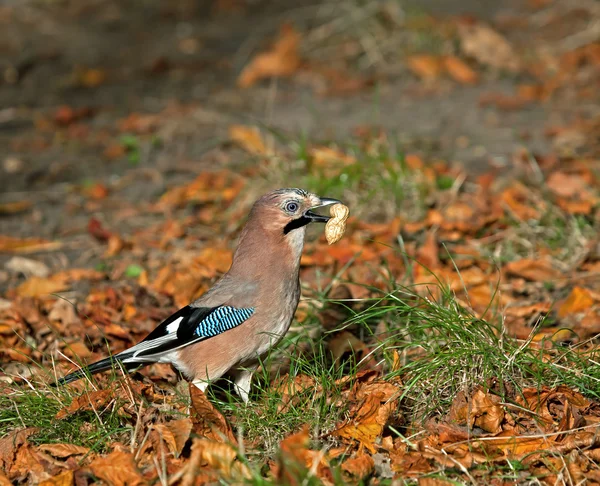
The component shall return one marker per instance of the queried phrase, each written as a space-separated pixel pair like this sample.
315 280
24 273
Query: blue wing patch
222 319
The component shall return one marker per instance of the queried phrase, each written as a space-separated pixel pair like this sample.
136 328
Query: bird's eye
292 207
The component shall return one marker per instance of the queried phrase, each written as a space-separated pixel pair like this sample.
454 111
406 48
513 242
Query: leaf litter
522 247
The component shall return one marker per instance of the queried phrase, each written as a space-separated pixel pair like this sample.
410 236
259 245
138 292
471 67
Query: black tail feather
97 367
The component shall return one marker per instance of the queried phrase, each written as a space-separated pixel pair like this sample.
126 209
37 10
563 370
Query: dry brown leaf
517 199
27 245
207 420
282 60
63 450
249 138
331 159
216 259
63 479
296 459
87 401
566 185
482 410
14 207
175 434
290 389
487 46
459 70
346 342
579 300
206 188
533 270
427 254
4 481
368 418
41 287
10 444
359 466
222 458
117 469
425 66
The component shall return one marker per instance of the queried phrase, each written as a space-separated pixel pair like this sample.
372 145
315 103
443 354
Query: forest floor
450 335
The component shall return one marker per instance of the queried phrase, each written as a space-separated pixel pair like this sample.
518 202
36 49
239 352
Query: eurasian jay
246 312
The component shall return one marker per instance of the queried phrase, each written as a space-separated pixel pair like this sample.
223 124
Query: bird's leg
242 382
202 385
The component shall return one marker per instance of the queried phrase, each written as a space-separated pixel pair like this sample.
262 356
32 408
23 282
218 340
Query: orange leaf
14 207
38 287
248 138
63 450
175 434
579 300
62 479
533 270
367 421
566 185
425 66
460 70
282 60
27 245
117 469
207 420
359 466
219 457
87 401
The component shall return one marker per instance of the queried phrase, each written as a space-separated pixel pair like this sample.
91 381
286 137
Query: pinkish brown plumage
246 312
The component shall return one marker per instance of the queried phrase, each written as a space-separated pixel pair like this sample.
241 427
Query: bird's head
285 211
279 216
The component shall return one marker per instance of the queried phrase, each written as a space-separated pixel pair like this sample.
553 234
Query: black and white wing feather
187 326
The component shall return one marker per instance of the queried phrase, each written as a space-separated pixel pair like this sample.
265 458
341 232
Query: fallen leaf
38 287
10 444
175 434
63 450
207 420
27 245
566 185
367 420
487 46
249 138
533 270
282 60
482 410
294 458
93 400
15 207
459 70
346 342
360 466
579 300
427 254
117 469
27 267
63 479
425 66
221 458
90 77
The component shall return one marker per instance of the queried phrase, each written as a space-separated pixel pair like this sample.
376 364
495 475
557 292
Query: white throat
295 239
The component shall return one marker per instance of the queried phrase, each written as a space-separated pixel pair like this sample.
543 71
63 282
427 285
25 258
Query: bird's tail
97 367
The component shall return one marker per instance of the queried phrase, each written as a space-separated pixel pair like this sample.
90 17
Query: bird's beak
318 218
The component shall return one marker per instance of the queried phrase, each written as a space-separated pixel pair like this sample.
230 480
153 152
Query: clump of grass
446 349
37 406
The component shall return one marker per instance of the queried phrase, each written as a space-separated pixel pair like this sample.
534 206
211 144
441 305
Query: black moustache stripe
295 224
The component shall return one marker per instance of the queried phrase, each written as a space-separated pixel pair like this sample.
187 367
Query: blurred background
106 105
